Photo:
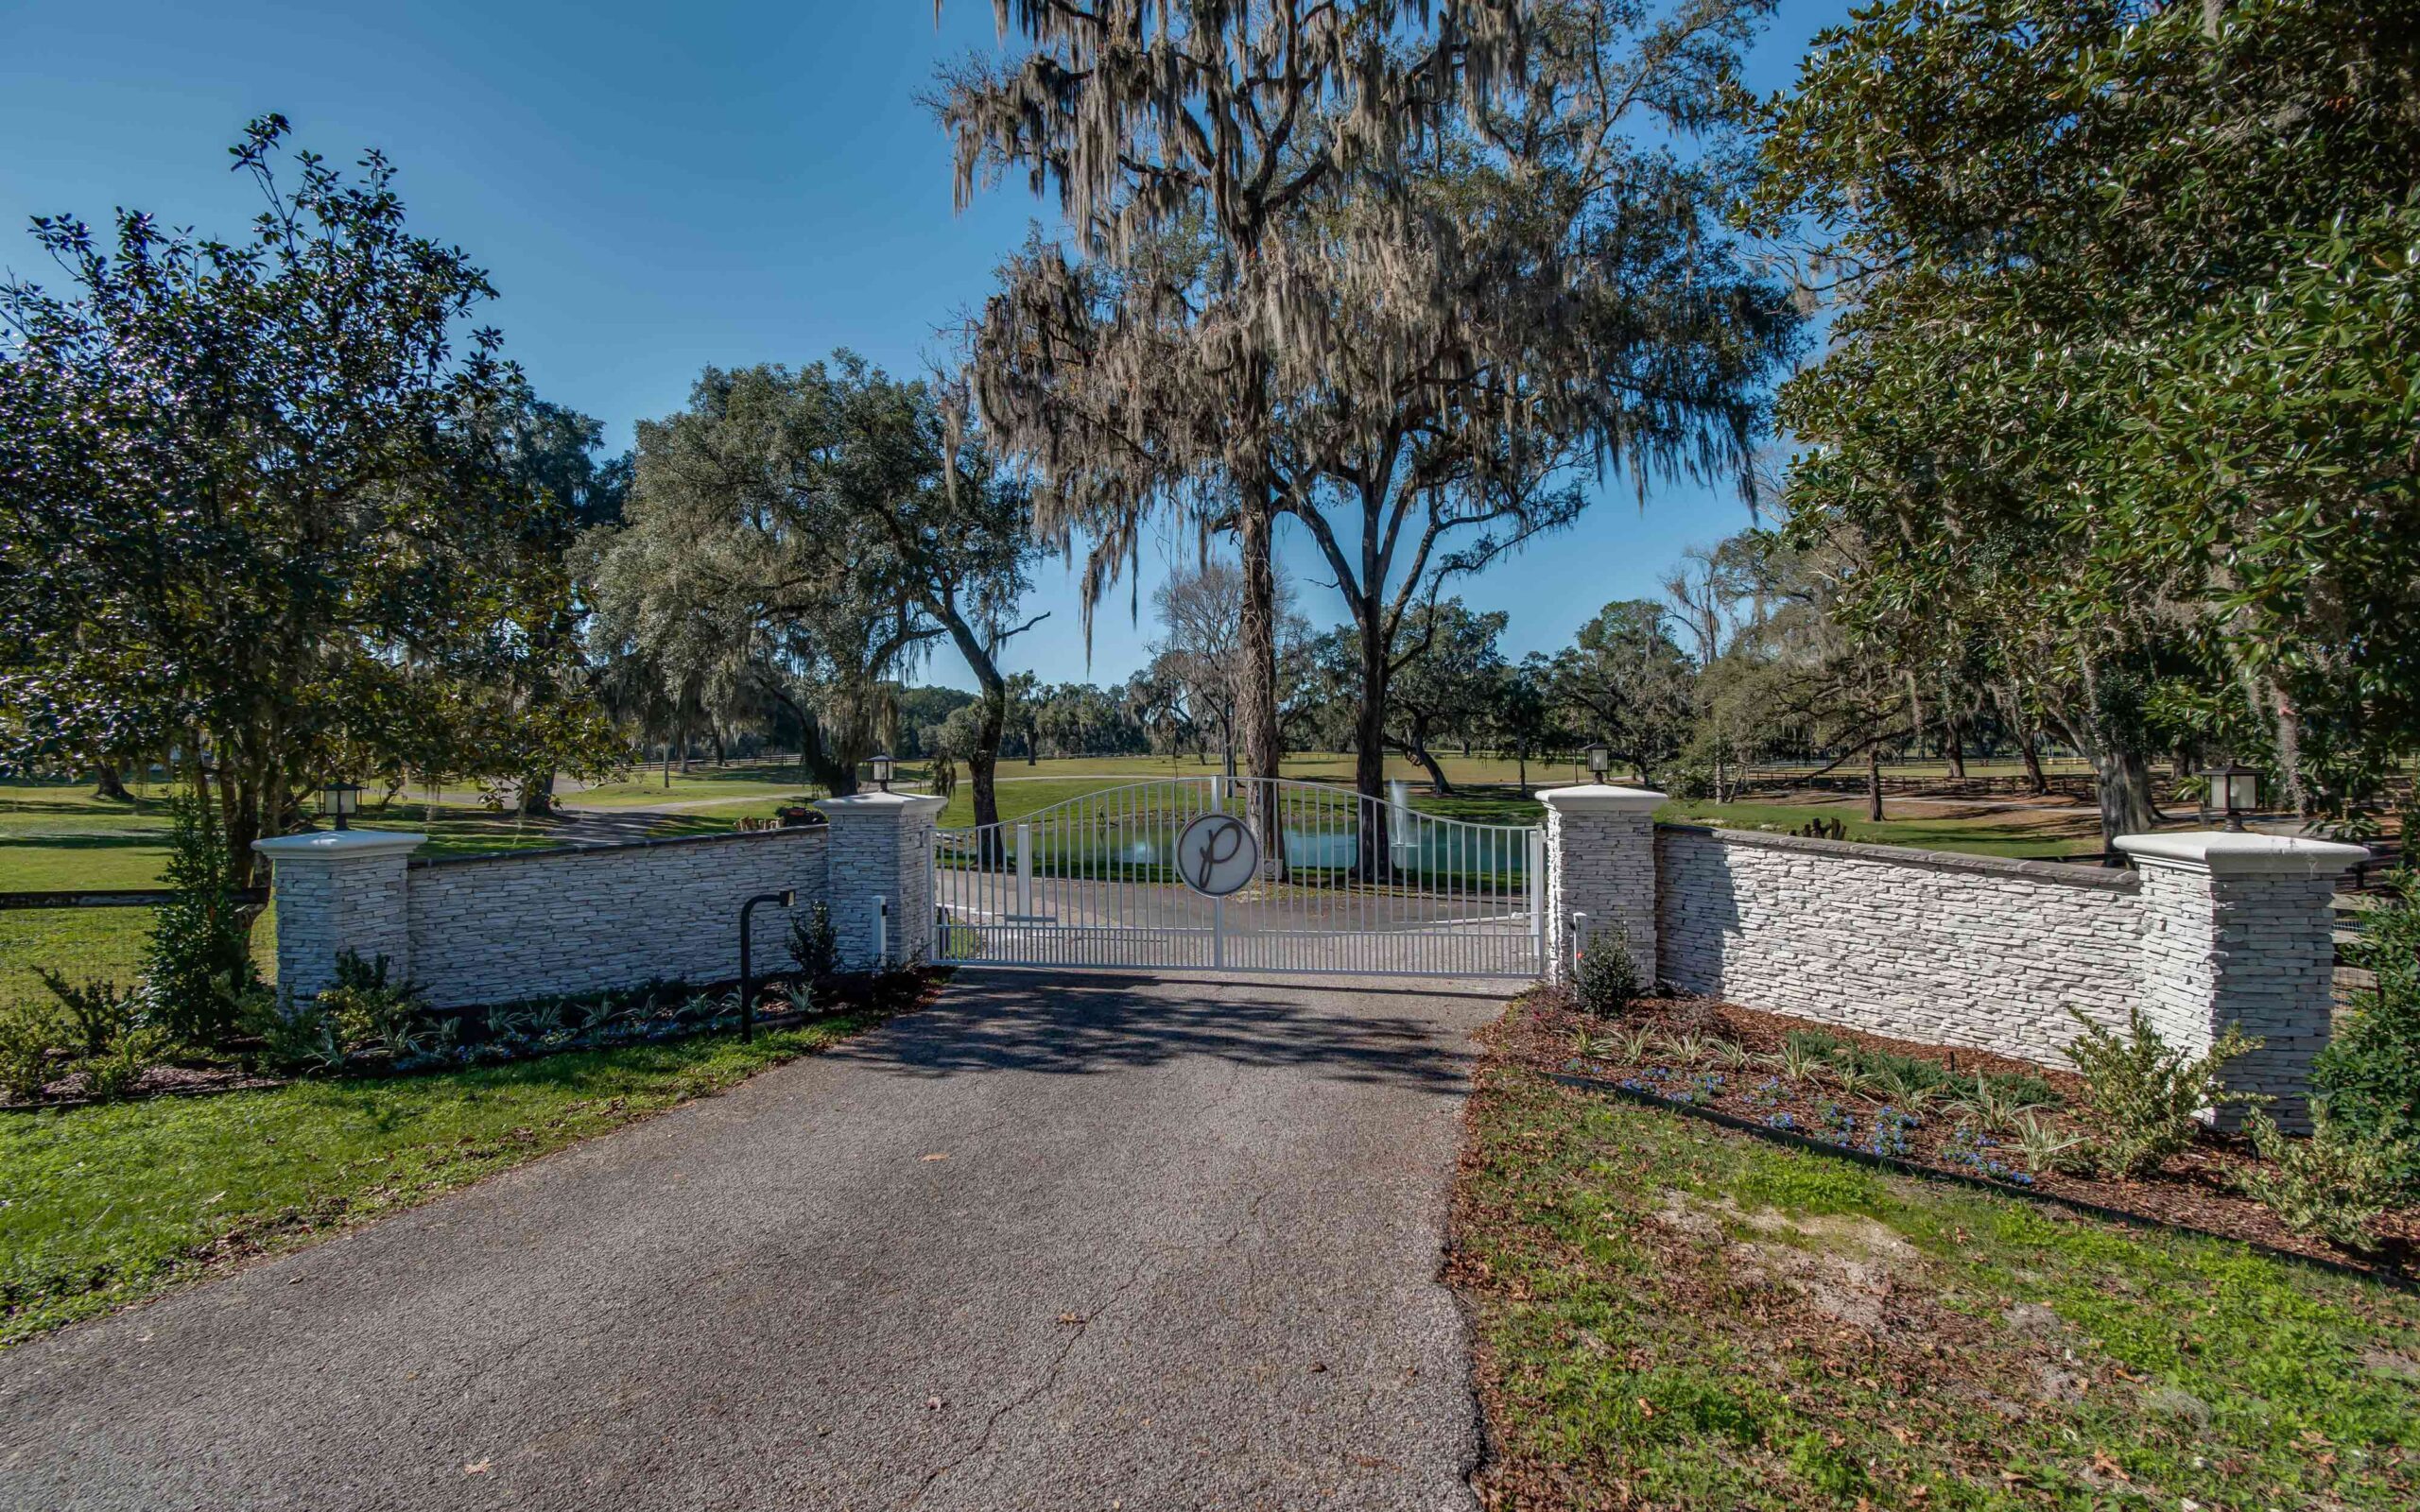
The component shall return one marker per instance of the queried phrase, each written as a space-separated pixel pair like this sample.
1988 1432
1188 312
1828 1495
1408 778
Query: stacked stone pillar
2239 929
340 891
1600 871
879 877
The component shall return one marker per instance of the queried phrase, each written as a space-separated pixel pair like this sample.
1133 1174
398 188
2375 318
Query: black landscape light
1600 759
2235 791
746 984
882 765
340 802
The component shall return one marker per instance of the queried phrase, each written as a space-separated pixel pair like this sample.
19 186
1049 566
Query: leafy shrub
28 1033
96 1013
1797 1058
2045 1145
117 1071
200 960
1908 1089
814 946
1686 779
1607 982
298 1037
2335 1184
2001 1102
2367 1081
2147 1095
363 1009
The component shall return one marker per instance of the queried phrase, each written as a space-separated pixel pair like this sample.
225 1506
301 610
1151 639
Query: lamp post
340 802
1600 759
882 764
746 985
2235 791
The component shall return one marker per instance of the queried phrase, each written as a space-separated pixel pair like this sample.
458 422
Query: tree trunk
1371 854
2125 793
2029 740
1953 745
2287 722
1417 748
1874 781
1257 688
536 799
107 784
2029 751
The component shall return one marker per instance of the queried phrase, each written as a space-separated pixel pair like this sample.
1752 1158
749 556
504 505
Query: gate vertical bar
1538 900
1025 873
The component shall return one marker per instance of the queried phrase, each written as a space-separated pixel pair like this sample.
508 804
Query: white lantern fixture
1600 759
882 765
340 802
2235 791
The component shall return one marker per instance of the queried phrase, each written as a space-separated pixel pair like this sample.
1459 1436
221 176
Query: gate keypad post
1601 862
880 862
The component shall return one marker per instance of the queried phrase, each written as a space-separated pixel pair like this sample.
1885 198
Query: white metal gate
1345 884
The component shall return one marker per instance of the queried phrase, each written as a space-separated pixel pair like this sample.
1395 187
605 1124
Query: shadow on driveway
1086 1023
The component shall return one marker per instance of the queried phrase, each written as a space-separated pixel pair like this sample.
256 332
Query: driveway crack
1049 1378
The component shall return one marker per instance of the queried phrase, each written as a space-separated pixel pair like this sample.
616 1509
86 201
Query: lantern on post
1600 759
340 802
882 765
2235 791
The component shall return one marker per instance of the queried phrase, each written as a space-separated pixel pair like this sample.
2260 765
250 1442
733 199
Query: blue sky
654 188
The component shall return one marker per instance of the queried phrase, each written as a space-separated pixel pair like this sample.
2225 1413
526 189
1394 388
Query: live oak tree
811 534
258 502
558 453
1445 678
1626 681
1201 657
1521 712
2121 385
1544 296
1138 373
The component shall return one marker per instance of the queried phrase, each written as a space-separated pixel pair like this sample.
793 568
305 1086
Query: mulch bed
2195 1190
892 992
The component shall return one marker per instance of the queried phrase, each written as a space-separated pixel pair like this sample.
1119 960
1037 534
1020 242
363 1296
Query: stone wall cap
900 804
2227 854
338 845
1598 798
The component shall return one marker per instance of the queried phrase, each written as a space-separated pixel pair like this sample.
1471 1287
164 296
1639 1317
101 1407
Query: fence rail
96 935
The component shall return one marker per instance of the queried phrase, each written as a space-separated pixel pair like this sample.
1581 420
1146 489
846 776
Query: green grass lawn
1680 1316
1989 833
104 1206
57 838
741 780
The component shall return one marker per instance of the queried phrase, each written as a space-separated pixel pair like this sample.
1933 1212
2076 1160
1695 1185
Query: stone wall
2237 928
1602 868
493 929
1916 944
881 878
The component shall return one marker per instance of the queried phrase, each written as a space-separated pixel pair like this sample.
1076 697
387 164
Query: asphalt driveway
1090 1241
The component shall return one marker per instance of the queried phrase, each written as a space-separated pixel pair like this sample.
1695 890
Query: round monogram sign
1217 854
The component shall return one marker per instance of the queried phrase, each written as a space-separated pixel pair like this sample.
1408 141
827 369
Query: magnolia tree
2115 422
267 503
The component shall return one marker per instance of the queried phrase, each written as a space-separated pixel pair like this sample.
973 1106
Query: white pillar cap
339 845
901 805
2225 855
1598 798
